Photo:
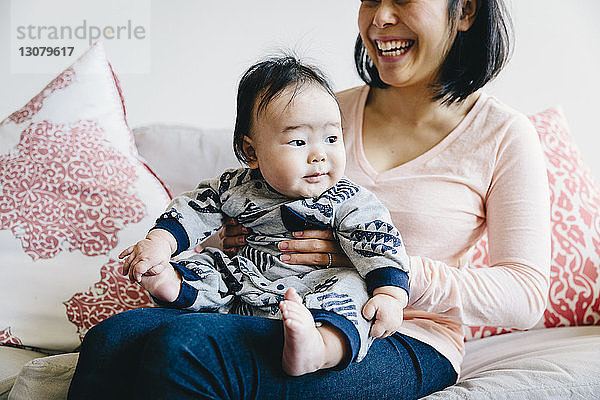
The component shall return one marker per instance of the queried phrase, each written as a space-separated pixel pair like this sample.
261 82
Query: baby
288 132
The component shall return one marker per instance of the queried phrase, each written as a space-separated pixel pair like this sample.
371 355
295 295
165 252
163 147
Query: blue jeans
160 353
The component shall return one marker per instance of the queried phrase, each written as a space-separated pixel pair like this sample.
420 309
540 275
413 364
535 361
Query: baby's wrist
163 237
175 285
169 289
396 292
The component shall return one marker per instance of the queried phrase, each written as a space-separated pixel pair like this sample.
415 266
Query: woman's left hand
313 247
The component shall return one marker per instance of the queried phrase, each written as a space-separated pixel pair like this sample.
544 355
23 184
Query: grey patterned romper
254 281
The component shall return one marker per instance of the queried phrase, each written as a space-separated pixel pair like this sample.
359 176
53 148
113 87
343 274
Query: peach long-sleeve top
488 173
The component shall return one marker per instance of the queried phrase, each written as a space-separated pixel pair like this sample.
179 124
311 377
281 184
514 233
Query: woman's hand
313 247
232 235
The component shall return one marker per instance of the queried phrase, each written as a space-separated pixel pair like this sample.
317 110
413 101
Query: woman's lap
162 353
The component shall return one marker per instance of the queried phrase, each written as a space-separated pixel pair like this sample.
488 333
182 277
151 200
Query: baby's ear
248 148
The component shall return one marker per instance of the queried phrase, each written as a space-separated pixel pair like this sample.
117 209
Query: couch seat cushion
45 378
11 362
557 363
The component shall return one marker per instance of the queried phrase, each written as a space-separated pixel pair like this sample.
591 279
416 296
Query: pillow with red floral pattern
73 194
574 297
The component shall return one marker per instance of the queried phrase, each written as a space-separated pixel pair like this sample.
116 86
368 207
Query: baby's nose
317 157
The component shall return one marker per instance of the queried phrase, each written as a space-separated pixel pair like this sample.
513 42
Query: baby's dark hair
264 81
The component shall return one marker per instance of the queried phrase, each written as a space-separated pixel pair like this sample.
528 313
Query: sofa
77 185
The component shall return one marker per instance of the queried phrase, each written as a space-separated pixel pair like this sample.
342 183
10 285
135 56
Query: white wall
200 48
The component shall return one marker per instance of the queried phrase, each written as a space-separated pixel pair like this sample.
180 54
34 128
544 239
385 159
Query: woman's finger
230 251
234 241
326 234
337 260
131 262
234 230
309 246
230 221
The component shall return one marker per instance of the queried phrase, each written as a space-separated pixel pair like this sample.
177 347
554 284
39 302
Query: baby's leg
307 348
339 295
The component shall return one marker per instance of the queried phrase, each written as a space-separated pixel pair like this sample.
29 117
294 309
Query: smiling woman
449 162
473 50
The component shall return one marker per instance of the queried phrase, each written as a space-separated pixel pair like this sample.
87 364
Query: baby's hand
387 307
148 256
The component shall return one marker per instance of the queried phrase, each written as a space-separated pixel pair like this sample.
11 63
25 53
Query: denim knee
169 342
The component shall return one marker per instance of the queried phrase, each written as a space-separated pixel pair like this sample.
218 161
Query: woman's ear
467 14
248 148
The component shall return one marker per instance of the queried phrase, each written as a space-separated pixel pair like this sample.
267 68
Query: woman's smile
390 47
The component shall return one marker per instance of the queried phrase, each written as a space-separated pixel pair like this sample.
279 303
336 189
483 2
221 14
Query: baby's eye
297 142
332 139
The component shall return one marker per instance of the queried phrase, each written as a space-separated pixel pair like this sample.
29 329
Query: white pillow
73 195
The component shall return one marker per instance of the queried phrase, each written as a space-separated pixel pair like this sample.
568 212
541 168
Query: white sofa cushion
45 378
557 363
184 155
11 362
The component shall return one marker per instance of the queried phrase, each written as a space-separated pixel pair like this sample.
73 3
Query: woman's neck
414 107
400 124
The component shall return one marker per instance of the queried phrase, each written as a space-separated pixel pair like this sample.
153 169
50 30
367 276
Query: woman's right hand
232 236
315 248
311 247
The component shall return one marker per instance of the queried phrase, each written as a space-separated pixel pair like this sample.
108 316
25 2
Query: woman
447 160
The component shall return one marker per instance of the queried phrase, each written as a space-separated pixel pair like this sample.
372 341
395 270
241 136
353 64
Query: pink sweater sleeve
512 290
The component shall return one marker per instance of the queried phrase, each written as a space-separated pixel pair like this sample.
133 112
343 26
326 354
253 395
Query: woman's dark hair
476 56
262 82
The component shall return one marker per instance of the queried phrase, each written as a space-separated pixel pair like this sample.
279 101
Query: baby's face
298 146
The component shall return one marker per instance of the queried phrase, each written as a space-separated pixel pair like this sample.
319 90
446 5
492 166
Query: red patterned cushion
574 297
73 194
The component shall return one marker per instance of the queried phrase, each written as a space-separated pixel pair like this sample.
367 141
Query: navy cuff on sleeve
387 276
346 327
173 226
186 298
185 273
187 295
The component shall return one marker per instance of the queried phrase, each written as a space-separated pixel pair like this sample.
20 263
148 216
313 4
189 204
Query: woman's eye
332 139
297 142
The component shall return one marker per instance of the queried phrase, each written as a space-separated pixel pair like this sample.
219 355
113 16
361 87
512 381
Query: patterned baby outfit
255 281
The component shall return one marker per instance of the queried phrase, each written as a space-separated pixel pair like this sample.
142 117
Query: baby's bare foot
303 349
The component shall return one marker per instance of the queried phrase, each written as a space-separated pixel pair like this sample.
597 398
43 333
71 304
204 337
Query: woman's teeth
393 47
